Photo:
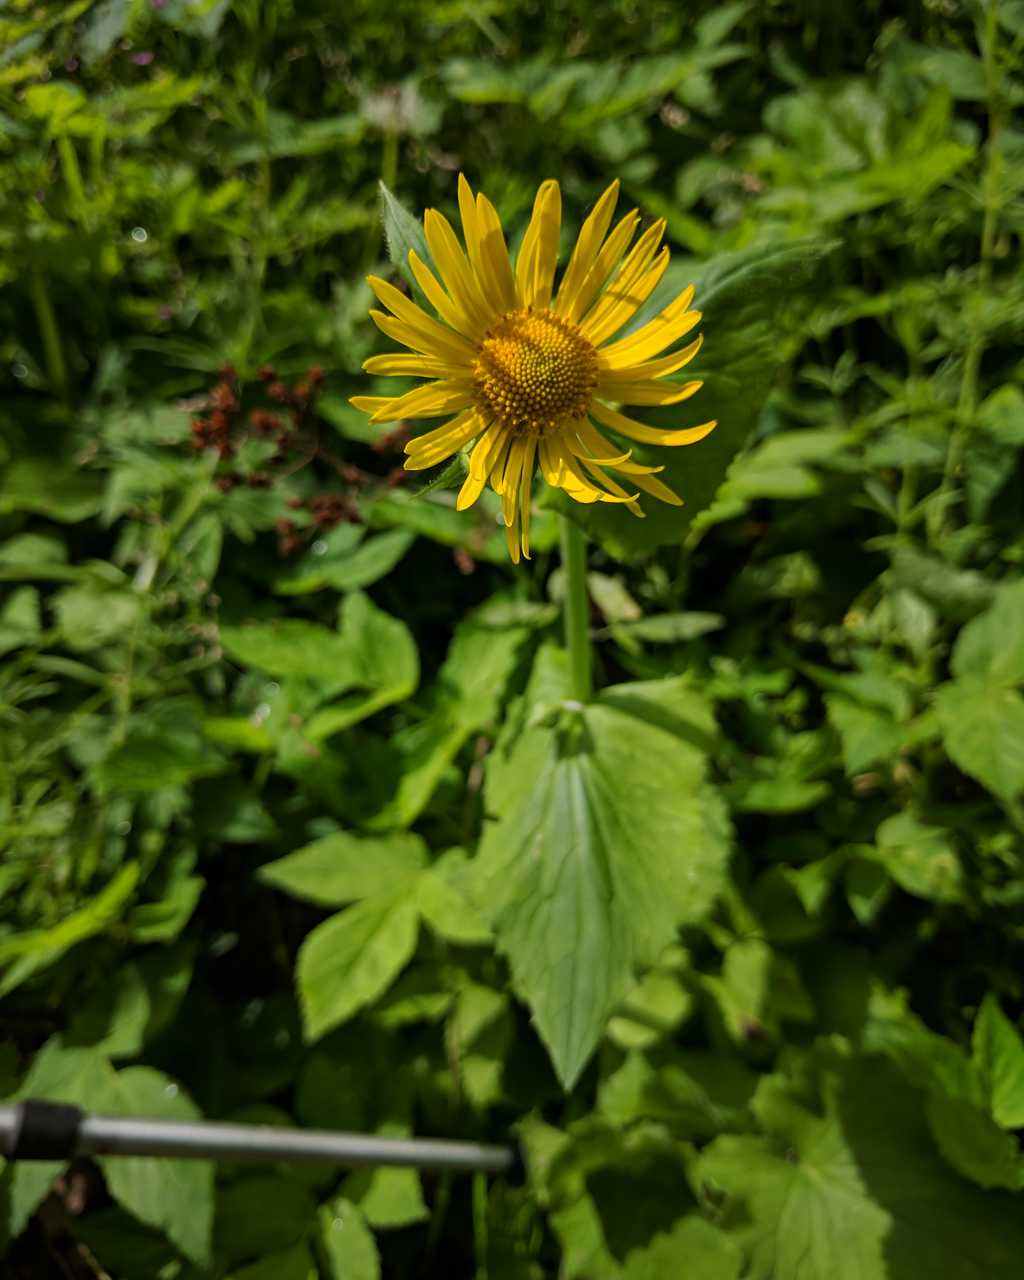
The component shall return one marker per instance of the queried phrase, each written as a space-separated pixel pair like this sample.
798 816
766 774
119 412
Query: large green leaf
858 1191
605 838
750 305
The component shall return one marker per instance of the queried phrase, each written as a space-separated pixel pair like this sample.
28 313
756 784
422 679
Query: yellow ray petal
650 392
526 494
498 462
456 273
472 233
538 254
660 368
434 446
449 311
512 542
495 253
590 444
510 480
588 245
655 488
630 502
479 466
369 404
430 401
604 264
396 365
645 434
654 336
627 281
432 339
600 494
628 302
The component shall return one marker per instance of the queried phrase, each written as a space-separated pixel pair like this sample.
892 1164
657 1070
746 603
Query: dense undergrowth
277 729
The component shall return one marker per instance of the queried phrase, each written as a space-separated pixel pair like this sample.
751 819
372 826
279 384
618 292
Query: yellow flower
531 376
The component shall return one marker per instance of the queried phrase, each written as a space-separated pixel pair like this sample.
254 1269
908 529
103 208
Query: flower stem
49 332
967 403
576 609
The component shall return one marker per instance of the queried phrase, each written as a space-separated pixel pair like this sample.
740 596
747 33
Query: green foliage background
296 826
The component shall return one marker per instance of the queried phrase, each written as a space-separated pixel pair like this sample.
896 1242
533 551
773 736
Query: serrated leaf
858 1192
402 232
740 295
605 840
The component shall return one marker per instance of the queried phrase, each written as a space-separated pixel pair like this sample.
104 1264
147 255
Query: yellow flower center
534 371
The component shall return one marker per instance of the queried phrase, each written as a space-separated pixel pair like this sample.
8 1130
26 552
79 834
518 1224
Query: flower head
531 375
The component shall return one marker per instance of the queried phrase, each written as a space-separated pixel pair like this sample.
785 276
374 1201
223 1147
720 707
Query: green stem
50 334
576 609
967 401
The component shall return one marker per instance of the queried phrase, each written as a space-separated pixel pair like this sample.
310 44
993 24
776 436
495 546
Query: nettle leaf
606 839
857 1191
744 298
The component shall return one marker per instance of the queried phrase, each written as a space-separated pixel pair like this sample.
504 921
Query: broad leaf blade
606 839
745 299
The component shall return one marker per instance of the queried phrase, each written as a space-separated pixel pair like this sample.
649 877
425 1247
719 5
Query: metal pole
128 1136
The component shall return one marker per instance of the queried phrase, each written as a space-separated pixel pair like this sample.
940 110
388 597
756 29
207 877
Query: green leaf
40 485
974 1144
470 686
346 1242
402 232
443 896
371 560
606 839
920 858
27 953
983 731
991 646
164 747
20 619
745 328
351 959
175 1196
261 1214
388 1197
383 661
82 1077
694 1247
857 1191
346 868
291 1264
998 1053
293 647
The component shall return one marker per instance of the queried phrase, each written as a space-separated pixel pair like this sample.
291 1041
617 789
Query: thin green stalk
576 609
967 401
49 331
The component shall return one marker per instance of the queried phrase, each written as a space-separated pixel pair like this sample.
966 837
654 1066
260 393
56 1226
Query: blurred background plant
252 683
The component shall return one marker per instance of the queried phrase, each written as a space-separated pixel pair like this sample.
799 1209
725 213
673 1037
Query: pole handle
41 1131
